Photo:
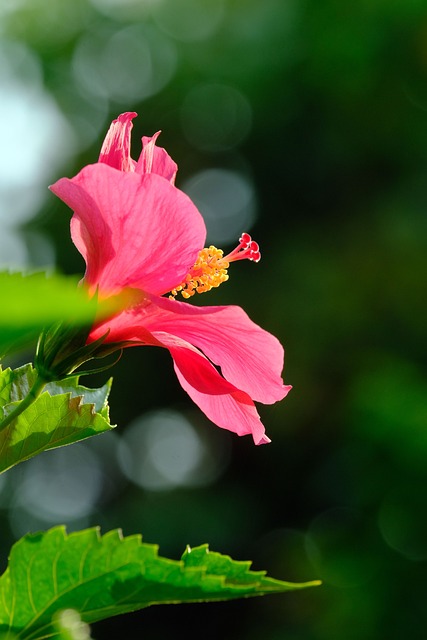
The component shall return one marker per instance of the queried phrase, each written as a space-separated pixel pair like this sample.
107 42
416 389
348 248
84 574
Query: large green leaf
64 413
105 576
31 302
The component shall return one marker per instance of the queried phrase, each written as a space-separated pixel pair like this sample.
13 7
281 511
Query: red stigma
247 249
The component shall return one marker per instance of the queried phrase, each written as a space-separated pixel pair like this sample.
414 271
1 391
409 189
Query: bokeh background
304 123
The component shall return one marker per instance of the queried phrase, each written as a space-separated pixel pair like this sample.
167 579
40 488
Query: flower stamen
210 269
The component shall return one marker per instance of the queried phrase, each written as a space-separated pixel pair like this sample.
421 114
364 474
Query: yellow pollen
209 271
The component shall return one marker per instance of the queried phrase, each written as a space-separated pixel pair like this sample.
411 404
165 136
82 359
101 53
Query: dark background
304 123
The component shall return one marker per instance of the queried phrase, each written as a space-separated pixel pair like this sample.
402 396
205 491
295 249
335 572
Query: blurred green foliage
337 155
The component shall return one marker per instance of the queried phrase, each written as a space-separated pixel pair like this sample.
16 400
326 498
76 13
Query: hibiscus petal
224 404
250 358
115 150
127 325
133 230
155 159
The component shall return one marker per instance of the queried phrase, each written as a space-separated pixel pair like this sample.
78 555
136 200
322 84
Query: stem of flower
31 396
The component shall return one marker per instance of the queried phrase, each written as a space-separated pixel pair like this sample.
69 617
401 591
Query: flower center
211 267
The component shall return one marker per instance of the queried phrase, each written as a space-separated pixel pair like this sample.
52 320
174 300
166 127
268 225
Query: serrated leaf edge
201 570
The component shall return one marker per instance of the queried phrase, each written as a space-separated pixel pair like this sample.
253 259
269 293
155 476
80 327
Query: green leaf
31 302
105 576
64 413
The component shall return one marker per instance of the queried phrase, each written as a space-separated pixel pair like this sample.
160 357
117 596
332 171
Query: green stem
31 396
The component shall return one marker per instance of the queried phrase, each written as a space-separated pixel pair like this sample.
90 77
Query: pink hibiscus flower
137 231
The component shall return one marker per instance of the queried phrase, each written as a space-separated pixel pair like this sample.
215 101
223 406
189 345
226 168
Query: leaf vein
75 585
29 584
